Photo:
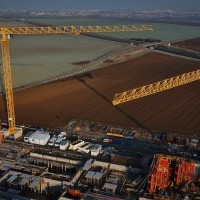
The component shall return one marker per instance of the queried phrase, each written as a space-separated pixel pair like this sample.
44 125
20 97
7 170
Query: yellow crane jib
73 29
156 87
5 32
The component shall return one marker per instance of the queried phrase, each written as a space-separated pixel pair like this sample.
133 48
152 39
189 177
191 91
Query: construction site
126 129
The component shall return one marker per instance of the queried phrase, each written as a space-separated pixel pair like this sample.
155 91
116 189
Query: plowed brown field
193 44
89 97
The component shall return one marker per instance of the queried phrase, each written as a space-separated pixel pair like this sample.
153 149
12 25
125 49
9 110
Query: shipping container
39 137
95 150
26 137
57 142
52 140
64 144
18 133
62 135
86 148
32 138
76 144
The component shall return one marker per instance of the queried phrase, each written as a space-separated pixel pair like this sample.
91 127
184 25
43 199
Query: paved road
178 56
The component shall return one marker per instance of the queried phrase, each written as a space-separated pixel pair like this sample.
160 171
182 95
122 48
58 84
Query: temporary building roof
29 134
88 146
26 178
41 136
33 136
42 132
64 142
84 145
62 134
59 140
96 147
113 179
35 182
89 161
12 178
86 167
4 168
98 176
77 142
110 186
90 174
17 180
24 181
9 165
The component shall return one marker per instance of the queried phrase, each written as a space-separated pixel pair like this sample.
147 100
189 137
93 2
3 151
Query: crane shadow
88 75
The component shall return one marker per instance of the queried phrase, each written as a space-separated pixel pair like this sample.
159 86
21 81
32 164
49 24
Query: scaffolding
168 171
184 171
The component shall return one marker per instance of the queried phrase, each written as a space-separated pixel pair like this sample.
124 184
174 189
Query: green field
170 32
37 58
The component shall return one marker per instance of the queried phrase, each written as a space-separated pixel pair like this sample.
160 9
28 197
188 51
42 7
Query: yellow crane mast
8 82
156 87
7 31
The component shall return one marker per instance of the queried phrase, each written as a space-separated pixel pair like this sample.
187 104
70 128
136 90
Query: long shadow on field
79 78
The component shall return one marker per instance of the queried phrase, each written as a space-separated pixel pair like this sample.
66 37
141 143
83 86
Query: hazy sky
99 4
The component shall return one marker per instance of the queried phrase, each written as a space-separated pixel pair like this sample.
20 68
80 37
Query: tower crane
5 32
156 87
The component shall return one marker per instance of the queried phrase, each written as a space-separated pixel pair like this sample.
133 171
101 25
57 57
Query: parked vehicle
52 140
26 137
106 140
57 142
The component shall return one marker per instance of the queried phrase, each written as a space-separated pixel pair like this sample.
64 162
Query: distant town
170 14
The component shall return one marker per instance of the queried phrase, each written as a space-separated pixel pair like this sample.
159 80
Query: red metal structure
170 170
185 171
159 177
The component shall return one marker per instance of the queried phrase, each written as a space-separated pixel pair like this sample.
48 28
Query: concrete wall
64 160
53 183
115 167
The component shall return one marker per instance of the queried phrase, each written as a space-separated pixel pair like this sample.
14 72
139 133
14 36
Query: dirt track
193 44
89 97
